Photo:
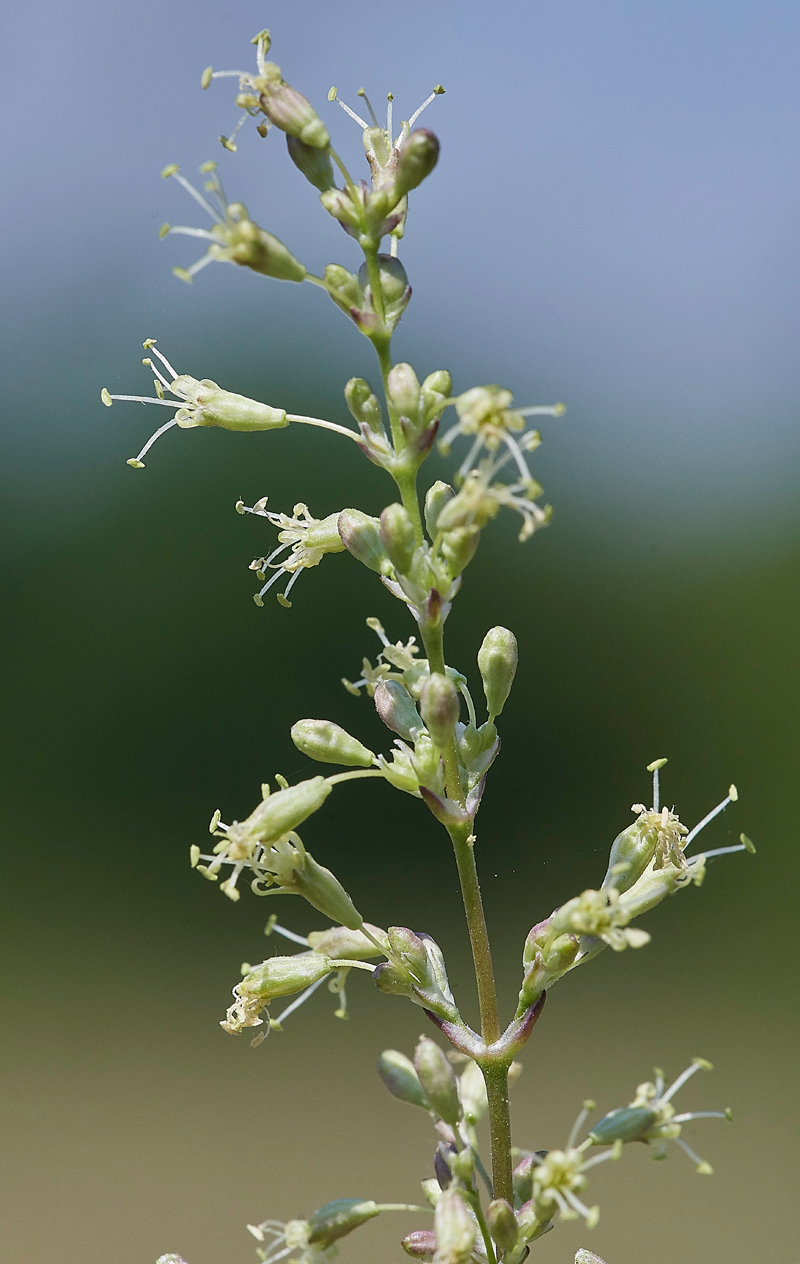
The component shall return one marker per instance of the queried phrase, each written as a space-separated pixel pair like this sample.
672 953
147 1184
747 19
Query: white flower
308 538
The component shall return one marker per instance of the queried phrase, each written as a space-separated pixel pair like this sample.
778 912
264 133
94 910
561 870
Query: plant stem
406 481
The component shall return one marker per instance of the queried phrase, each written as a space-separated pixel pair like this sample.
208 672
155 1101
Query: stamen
389 103
682 1078
186 274
466 464
150 345
145 399
721 851
655 768
192 232
702 1166
137 462
437 92
290 586
577 1204
542 410
334 96
258 599
511 444
198 197
160 379
231 74
698 1114
361 93
473 719
729 798
288 934
377 627
393 247
227 141
300 1000
579 1122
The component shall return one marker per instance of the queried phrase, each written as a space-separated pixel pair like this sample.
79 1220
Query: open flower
308 538
560 1178
602 915
651 1117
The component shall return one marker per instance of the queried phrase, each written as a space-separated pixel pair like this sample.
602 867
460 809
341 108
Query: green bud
392 980
344 288
342 206
289 110
438 1080
502 1224
315 163
282 812
631 853
338 1218
626 1124
325 892
408 950
497 661
362 537
522 1177
417 158
395 706
401 1079
436 498
454 1227
394 281
463 1165
402 387
363 404
435 391
329 744
397 533
282 976
459 547
341 944
472 1091
440 708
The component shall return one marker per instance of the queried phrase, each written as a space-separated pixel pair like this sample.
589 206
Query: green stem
406 481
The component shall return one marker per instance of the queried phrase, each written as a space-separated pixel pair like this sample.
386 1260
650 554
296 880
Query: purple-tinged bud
362 537
402 386
502 1224
329 744
398 1074
315 163
436 498
395 706
397 533
442 1157
392 980
438 1080
522 1177
420 1244
440 708
289 110
417 158
497 661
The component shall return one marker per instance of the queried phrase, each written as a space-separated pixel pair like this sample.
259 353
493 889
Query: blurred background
613 223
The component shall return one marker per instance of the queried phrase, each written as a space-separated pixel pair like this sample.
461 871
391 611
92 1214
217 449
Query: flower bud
408 950
417 158
401 1079
631 853
338 1218
497 661
440 708
436 498
625 1124
522 1177
329 744
434 392
395 706
344 287
362 537
289 110
472 1091
281 976
397 533
363 404
324 891
393 981
402 387
582 1256
463 1165
315 163
438 1080
502 1224
341 944
282 812
455 1229
442 1159
458 548
420 1245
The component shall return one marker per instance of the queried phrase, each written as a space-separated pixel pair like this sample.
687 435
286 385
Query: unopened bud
459 548
522 1177
329 744
435 391
394 286
472 1091
283 811
420 1245
344 288
631 853
363 404
436 498
338 1218
402 386
341 944
455 1229
395 706
497 661
289 110
626 1124
440 708
397 533
398 1074
408 950
282 976
417 158
392 980
502 1224
438 1080
463 1165
315 163
362 537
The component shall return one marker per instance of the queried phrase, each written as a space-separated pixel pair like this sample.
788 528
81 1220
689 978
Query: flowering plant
442 748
